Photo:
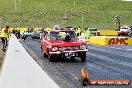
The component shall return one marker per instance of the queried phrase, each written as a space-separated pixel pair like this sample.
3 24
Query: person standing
79 31
13 31
23 36
41 33
4 36
130 32
18 34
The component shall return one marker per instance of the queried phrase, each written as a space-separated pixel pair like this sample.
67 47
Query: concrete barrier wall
19 69
100 40
102 32
108 32
118 41
22 29
106 40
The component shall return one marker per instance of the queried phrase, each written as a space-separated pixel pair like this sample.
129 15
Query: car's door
45 42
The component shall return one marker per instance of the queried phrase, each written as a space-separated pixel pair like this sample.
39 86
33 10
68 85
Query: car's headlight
54 48
82 47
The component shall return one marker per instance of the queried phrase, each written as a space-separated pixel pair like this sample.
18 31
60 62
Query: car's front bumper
70 51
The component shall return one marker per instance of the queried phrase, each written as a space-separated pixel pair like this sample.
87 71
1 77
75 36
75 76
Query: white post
82 19
0 22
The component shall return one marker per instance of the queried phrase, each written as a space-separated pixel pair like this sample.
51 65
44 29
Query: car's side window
53 35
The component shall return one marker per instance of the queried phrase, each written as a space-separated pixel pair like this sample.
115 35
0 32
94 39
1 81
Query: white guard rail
19 69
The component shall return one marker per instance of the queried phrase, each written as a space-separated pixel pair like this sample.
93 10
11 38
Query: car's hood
94 31
73 42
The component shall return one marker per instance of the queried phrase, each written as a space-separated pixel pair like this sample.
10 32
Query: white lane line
114 47
116 69
111 60
119 48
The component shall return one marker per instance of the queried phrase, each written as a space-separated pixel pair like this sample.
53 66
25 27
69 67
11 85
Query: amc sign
118 41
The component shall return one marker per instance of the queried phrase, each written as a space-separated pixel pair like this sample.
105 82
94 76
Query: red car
63 44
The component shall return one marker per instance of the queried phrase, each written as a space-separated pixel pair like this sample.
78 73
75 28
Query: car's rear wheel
98 34
44 54
82 56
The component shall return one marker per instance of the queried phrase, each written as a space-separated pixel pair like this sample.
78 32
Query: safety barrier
108 32
107 40
102 32
97 40
21 29
20 70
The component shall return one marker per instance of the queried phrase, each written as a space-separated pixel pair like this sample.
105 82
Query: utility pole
0 22
82 19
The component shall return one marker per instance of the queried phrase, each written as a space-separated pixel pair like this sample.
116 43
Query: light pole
0 22
82 19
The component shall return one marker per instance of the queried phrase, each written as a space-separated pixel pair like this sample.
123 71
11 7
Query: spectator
79 31
24 37
130 32
4 37
14 31
18 34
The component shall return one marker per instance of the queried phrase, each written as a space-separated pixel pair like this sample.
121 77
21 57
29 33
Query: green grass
97 13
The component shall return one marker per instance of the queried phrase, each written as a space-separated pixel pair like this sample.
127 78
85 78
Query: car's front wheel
82 56
51 58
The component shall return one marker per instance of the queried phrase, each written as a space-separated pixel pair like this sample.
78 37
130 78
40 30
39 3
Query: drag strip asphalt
101 63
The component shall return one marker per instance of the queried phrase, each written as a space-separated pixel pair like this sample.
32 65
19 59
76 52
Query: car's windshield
93 29
124 28
61 35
